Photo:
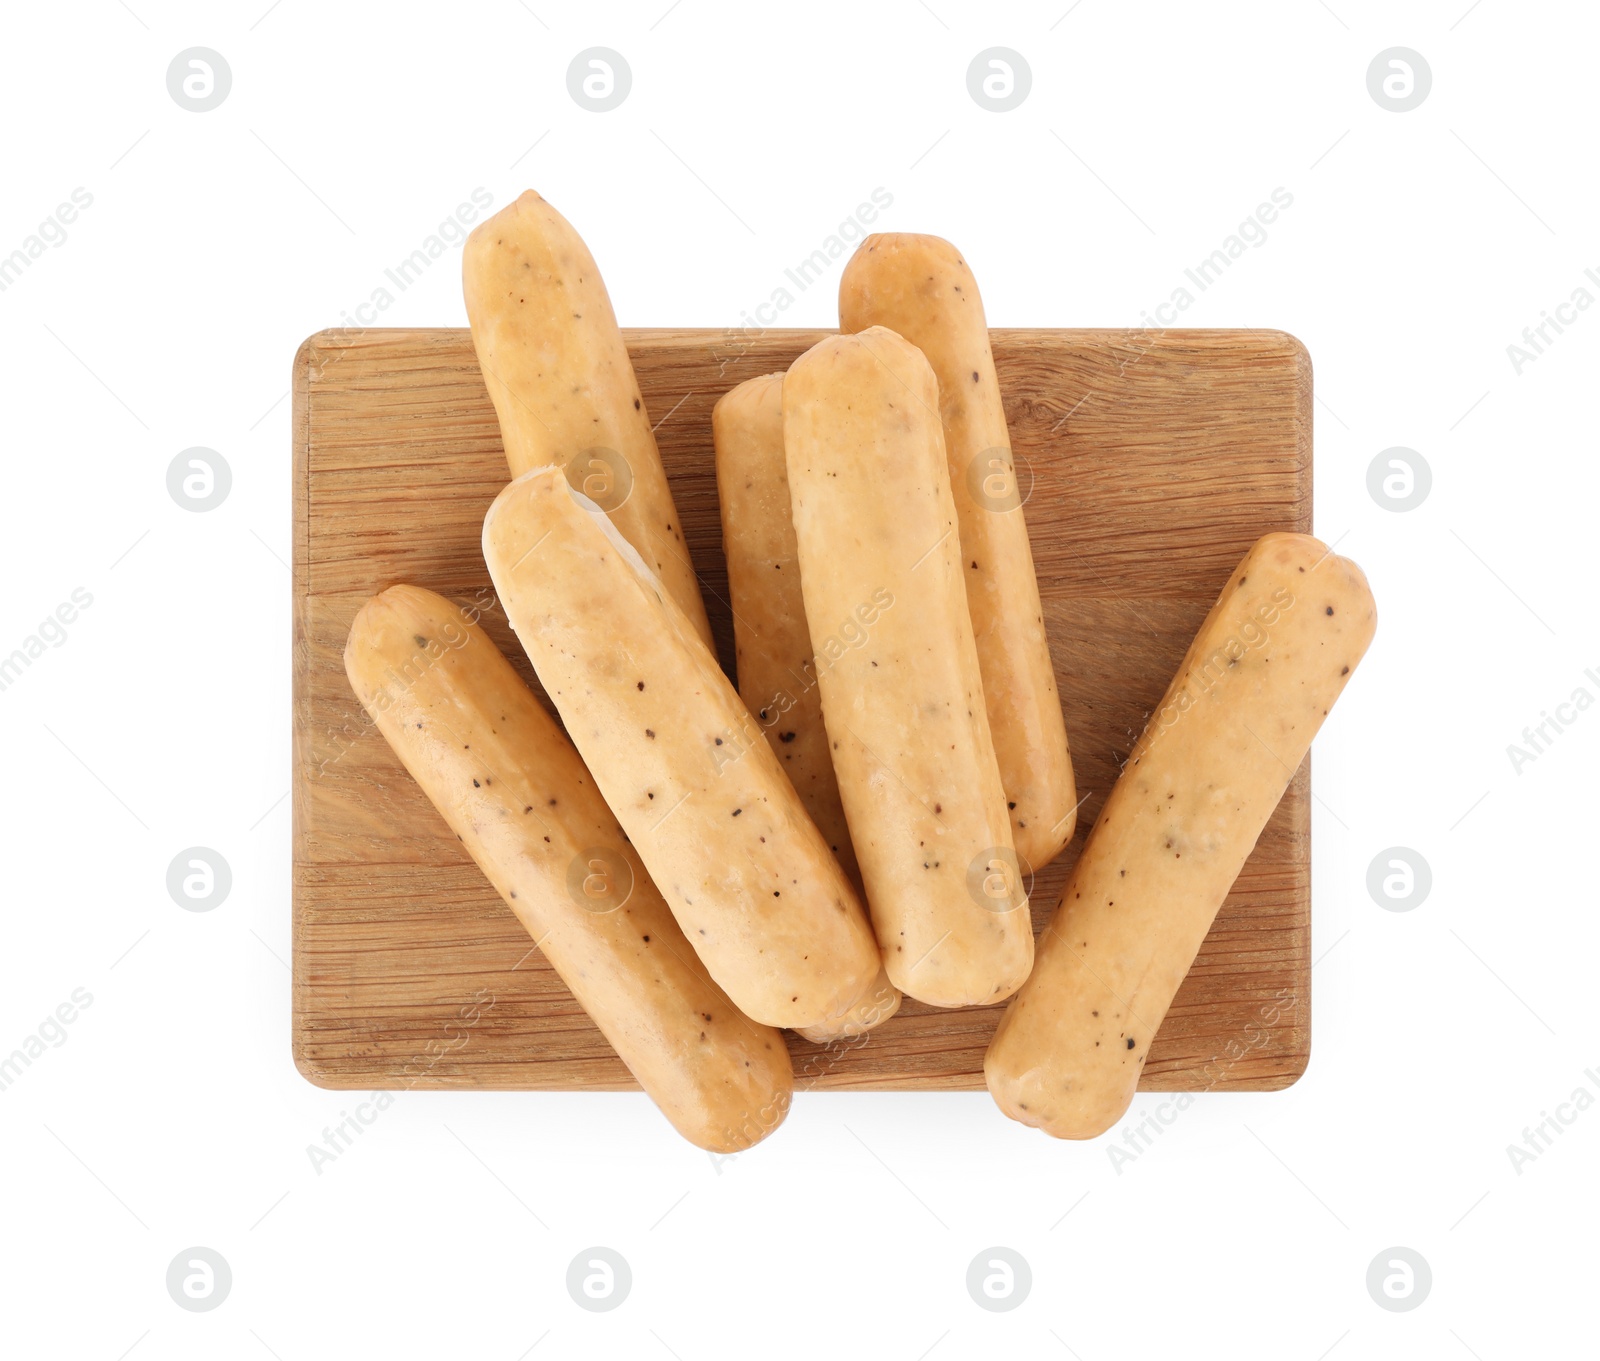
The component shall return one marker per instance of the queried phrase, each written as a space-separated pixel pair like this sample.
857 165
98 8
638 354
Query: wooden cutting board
1155 461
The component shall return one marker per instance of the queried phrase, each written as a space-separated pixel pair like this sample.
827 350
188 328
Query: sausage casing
679 760
921 288
902 696
777 677
562 383
510 785
1268 663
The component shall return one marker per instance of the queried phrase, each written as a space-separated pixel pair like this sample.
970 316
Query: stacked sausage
860 819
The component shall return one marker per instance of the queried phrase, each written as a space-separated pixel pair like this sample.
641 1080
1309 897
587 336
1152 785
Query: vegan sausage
921 288
1265 668
676 754
562 383
510 785
902 696
777 677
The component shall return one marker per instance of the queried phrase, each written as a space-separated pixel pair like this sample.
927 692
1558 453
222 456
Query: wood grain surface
1155 460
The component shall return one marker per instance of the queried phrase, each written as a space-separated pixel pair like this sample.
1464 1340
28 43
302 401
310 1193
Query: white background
1419 245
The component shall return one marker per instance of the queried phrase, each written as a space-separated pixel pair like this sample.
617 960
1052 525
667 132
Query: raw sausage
921 288
880 570
563 385
678 757
777 677
1268 663
511 786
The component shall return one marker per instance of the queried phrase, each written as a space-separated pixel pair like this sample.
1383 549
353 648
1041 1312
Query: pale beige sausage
693 783
880 569
563 385
777 679
510 785
921 288
1268 663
